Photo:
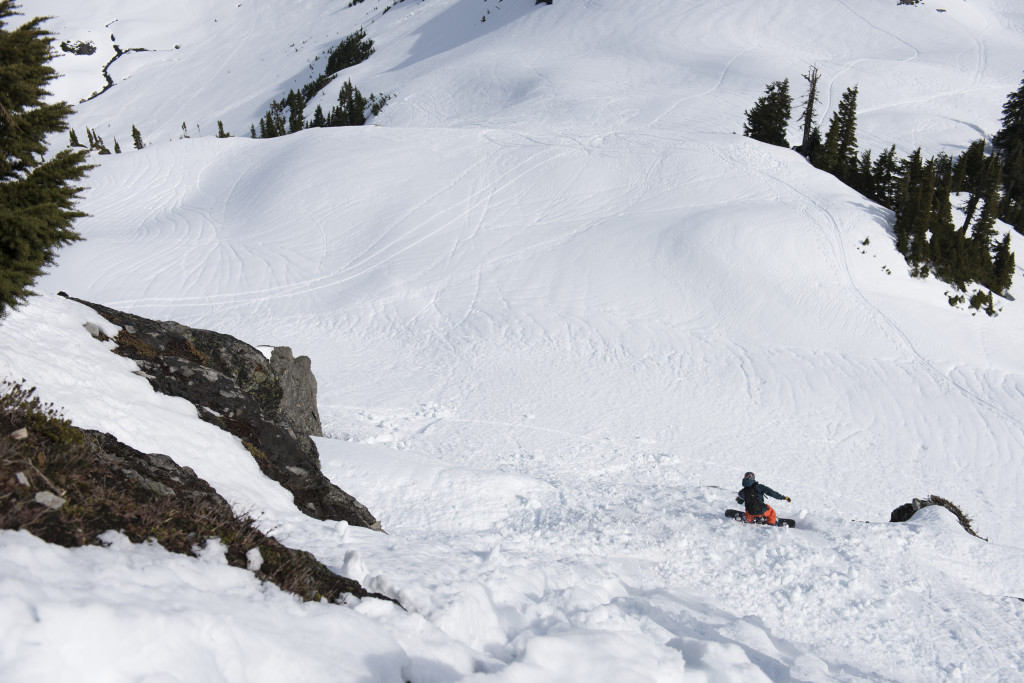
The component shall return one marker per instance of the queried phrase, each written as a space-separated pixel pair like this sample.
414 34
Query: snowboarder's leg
770 517
760 519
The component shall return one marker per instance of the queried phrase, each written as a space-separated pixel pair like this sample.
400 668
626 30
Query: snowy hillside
556 307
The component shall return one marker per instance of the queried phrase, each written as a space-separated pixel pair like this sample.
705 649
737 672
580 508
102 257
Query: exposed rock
105 484
904 512
50 500
270 405
95 332
78 47
298 389
153 472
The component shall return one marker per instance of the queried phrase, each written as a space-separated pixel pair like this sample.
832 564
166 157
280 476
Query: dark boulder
904 512
269 404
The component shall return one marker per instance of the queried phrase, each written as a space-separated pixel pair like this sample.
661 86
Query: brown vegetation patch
68 486
131 346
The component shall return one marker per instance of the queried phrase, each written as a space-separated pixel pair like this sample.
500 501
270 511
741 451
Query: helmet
749 475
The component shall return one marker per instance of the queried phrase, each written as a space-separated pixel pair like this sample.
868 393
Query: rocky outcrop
269 404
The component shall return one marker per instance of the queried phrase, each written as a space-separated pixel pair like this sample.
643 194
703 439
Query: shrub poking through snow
906 511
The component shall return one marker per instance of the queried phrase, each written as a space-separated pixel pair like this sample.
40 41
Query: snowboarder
752 497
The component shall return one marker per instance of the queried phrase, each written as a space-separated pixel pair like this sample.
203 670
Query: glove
788 499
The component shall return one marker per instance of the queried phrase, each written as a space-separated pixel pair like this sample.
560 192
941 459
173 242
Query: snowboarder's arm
772 492
739 497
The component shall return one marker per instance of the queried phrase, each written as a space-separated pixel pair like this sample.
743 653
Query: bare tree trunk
811 77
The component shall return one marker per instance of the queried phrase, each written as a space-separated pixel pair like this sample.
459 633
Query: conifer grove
987 179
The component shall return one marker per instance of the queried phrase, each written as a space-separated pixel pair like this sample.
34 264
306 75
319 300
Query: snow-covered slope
927 78
556 308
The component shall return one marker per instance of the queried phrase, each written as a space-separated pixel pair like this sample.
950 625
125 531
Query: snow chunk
254 560
137 612
592 656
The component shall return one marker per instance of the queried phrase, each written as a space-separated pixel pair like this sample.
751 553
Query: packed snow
556 306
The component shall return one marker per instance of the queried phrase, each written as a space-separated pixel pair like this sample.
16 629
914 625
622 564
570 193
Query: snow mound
132 612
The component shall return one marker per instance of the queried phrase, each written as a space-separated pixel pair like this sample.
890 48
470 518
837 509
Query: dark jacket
752 496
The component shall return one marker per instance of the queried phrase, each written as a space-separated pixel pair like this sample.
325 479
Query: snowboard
741 516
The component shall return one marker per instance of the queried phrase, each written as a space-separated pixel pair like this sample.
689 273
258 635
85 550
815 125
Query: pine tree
272 124
1013 122
98 144
36 197
220 130
903 227
136 138
1009 144
848 110
1003 266
884 177
351 109
840 154
969 165
768 119
912 168
922 222
1012 210
117 147
319 121
830 147
863 180
295 111
73 139
907 201
972 174
814 150
942 244
984 230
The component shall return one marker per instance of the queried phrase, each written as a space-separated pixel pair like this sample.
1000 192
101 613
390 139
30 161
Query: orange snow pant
766 517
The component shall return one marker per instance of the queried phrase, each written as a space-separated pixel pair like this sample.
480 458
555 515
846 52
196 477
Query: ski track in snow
377 254
832 243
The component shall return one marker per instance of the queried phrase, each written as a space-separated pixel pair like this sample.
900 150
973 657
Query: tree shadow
462 23
884 217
